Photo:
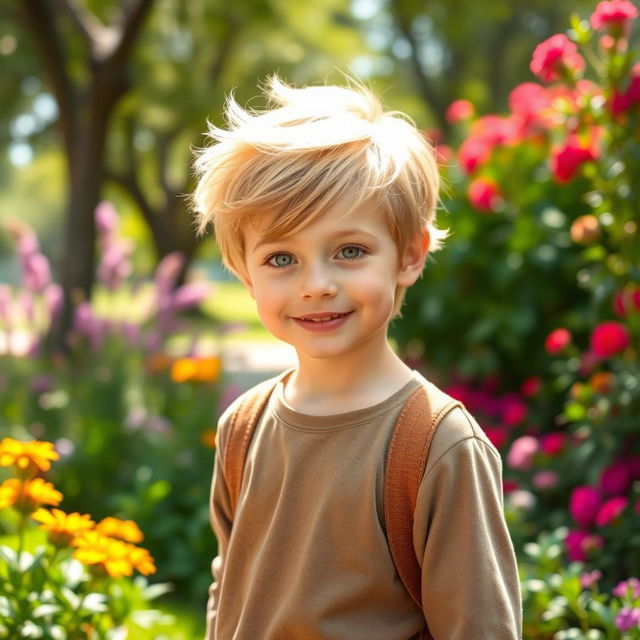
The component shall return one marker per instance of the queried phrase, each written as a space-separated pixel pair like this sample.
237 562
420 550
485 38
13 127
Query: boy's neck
337 385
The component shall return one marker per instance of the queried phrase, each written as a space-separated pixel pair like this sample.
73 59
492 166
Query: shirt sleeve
221 520
470 584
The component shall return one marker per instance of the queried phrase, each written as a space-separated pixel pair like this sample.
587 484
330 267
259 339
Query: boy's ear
414 258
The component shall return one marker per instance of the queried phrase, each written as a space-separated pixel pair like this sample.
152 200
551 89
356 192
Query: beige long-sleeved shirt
305 556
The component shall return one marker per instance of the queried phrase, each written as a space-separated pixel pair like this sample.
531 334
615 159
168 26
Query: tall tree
86 102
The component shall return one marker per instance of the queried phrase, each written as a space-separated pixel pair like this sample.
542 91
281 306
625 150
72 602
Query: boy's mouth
322 317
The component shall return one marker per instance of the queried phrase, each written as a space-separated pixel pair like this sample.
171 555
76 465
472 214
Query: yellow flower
124 529
27 496
208 369
30 457
63 527
113 557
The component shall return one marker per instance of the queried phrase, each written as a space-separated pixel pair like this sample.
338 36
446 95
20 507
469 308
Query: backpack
404 468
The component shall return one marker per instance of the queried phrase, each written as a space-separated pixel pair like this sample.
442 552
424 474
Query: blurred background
122 338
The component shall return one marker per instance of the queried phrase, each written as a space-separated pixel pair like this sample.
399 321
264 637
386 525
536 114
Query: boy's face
329 288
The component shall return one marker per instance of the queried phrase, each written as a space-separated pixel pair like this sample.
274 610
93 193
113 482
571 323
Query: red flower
531 386
484 194
584 504
555 57
557 341
514 411
611 510
614 15
608 339
567 159
459 110
497 436
627 301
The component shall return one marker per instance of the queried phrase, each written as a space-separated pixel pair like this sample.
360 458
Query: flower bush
132 407
76 584
544 256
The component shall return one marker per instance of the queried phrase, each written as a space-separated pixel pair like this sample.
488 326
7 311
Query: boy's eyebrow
338 234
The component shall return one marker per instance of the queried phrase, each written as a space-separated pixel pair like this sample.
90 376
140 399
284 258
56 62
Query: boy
323 205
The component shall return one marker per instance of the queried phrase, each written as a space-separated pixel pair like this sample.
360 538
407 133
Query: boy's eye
280 260
351 252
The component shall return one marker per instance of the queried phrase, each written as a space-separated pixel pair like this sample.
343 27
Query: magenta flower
557 341
584 504
609 338
115 266
522 451
628 618
531 386
614 15
611 510
555 58
580 544
552 444
484 194
629 588
514 411
615 479
458 111
497 435
190 295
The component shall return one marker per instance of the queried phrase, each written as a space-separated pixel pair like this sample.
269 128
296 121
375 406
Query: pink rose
484 194
627 589
545 479
584 504
557 341
521 453
580 544
459 110
473 153
556 57
589 579
615 15
628 618
611 510
615 480
609 338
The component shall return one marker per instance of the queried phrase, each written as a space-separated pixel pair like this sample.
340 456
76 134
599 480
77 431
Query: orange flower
29 495
602 382
62 527
141 560
209 438
158 362
123 529
196 369
28 457
184 369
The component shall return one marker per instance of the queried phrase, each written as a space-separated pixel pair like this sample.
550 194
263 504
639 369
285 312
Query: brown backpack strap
405 466
240 431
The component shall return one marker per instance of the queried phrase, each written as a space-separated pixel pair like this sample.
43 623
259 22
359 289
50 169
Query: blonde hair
294 160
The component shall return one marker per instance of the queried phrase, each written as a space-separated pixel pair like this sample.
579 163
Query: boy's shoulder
458 426
224 422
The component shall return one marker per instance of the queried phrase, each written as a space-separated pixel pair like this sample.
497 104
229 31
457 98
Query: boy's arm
221 521
470 585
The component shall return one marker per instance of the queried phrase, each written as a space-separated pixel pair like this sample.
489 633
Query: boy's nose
318 283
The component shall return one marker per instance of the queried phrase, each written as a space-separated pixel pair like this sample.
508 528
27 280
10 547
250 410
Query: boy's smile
329 288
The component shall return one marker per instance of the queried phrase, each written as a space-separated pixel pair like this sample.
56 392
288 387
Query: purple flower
5 303
189 295
168 270
36 272
53 297
587 580
628 618
106 217
115 266
86 324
